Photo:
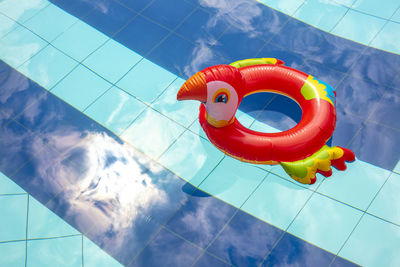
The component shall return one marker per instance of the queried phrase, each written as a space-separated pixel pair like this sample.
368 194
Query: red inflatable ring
221 88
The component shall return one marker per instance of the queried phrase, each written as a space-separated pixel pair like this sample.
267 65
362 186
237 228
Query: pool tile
322 73
116 110
175 15
294 59
347 126
12 253
325 223
135 5
385 38
24 10
356 186
175 60
233 181
266 117
202 26
79 41
377 144
19 144
373 243
6 25
95 256
112 61
158 251
292 251
129 35
277 201
141 82
245 119
56 251
152 133
183 112
81 87
374 8
245 240
310 12
13 213
109 17
191 157
396 16
20 45
377 67
384 204
48 67
287 7
366 94
43 223
7 186
341 262
358 27
78 8
388 110
196 128
197 226
397 167
207 260
50 22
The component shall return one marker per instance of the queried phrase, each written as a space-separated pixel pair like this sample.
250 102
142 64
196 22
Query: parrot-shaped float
301 150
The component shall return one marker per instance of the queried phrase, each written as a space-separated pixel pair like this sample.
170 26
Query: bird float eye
221 96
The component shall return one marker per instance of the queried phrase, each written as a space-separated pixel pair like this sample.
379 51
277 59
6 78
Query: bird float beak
195 88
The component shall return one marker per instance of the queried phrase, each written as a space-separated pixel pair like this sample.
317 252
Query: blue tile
135 5
383 205
374 8
233 181
277 201
358 27
191 157
245 241
322 73
167 13
310 12
13 212
341 262
388 110
396 16
95 256
6 25
292 251
263 127
12 254
347 126
184 112
378 145
79 41
384 39
178 59
43 223
245 119
18 144
24 10
110 17
81 87
141 82
335 221
377 66
116 110
7 186
287 7
291 58
197 226
112 61
357 186
158 251
56 251
373 243
48 67
329 50
152 133
78 8
20 45
17 92
202 26
207 260
50 22
132 35
357 96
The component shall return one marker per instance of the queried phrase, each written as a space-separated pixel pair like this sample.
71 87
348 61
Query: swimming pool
101 166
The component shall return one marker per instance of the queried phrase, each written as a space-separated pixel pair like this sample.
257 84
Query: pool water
101 166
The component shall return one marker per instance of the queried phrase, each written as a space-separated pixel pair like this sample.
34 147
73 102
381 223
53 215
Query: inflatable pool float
301 150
